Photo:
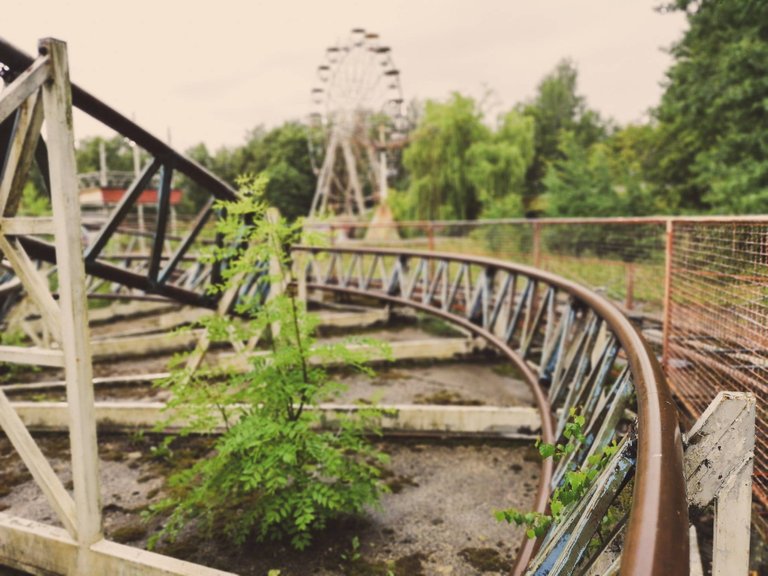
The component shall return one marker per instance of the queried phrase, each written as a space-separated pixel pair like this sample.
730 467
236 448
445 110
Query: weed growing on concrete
575 482
274 473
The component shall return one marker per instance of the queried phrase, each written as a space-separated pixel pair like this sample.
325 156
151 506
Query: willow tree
459 168
497 166
438 157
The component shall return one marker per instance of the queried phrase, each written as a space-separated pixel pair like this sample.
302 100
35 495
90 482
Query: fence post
629 279
57 102
537 244
719 455
430 237
667 326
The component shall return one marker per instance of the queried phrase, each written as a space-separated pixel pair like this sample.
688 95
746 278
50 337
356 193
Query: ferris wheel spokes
356 117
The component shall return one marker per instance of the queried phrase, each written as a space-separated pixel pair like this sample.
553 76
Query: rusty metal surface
656 539
717 328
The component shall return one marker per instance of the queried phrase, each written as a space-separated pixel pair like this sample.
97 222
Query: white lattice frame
43 93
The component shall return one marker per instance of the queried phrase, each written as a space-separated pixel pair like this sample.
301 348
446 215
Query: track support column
75 341
719 456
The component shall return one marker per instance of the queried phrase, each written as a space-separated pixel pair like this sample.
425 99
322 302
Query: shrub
273 472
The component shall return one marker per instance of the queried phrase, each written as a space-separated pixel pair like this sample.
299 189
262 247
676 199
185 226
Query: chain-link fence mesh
700 286
716 332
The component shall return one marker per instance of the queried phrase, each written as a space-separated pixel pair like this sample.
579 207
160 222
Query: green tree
581 183
714 113
497 166
459 168
606 179
119 154
195 196
438 157
557 108
33 203
291 180
281 154
273 472
635 153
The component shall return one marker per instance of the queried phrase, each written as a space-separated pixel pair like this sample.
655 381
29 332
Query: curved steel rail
561 335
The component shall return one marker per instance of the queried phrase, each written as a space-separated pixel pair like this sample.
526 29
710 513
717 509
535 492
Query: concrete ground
438 518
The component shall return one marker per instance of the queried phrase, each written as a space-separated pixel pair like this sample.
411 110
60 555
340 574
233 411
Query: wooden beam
510 422
120 560
25 225
21 88
32 355
142 345
19 157
128 309
167 321
38 465
105 381
41 549
57 101
353 319
35 283
719 455
424 349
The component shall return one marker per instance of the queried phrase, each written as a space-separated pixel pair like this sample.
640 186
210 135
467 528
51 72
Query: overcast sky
210 71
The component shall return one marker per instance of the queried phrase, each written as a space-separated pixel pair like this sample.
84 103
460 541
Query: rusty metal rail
696 284
574 349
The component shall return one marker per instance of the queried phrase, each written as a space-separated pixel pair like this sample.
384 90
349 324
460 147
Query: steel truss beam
175 273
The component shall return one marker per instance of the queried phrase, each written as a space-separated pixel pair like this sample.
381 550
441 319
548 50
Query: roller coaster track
573 348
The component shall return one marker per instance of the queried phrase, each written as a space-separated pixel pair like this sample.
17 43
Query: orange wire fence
698 287
622 258
716 332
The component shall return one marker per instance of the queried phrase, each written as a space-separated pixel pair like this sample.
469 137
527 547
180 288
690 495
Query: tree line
704 148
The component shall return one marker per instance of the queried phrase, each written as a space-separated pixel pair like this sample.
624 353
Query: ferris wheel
356 122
